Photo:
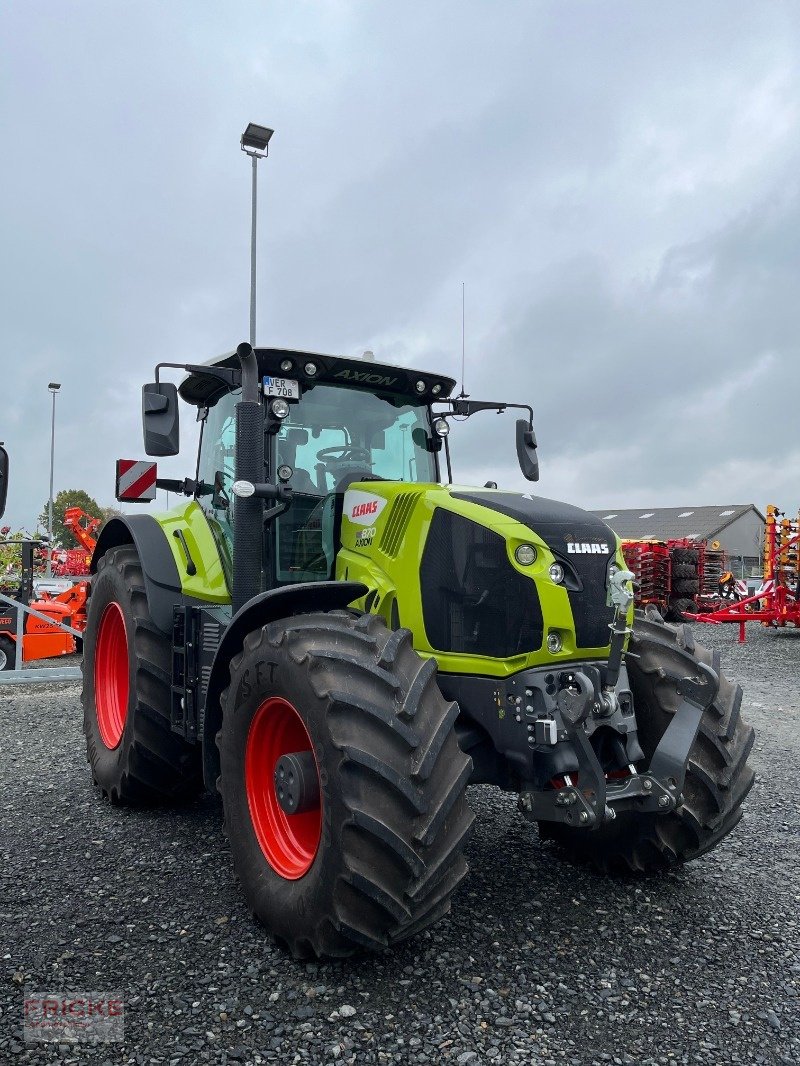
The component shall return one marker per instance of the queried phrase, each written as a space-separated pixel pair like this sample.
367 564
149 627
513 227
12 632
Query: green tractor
340 641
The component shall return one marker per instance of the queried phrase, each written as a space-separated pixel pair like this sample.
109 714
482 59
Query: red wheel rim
289 841
111 682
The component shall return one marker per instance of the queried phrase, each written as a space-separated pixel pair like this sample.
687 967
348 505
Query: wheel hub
297 782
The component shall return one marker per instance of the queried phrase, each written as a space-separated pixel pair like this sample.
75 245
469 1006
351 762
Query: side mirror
526 451
3 478
160 418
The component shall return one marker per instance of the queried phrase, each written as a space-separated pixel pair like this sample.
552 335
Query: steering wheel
345 453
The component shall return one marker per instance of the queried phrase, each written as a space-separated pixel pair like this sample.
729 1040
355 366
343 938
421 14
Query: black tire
718 777
394 814
684 570
8 653
685 555
150 764
685 589
679 608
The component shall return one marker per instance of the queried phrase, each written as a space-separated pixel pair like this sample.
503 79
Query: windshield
331 437
334 432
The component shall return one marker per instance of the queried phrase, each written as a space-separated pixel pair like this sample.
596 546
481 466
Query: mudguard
267 607
161 578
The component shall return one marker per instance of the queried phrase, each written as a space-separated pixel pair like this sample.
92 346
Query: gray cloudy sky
616 183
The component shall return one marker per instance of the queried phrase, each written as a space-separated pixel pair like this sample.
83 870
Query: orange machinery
41 639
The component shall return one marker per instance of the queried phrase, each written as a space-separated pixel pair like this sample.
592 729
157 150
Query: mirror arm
466 408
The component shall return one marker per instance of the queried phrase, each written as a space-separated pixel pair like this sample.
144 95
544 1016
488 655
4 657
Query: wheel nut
663 801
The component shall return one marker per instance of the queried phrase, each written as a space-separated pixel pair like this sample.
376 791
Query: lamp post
53 386
255 143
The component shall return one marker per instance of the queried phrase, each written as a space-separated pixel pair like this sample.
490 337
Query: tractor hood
442 561
568 531
581 542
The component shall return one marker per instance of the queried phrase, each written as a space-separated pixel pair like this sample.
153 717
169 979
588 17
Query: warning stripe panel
136 480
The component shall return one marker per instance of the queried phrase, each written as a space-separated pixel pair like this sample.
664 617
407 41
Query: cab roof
201 391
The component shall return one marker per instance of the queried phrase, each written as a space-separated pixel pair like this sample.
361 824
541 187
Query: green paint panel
209 583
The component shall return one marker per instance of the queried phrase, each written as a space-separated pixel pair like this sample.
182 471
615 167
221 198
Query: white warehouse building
737 527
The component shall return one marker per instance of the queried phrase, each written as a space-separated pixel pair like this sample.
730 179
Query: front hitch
591 800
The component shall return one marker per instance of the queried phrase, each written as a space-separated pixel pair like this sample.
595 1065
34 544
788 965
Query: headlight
553 643
441 427
556 573
280 408
420 386
525 554
310 369
286 365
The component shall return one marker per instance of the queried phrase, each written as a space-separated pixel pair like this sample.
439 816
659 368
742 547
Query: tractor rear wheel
680 607
8 653
343 784
718 776
127 666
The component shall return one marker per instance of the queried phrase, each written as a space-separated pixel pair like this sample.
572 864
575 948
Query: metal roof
673 523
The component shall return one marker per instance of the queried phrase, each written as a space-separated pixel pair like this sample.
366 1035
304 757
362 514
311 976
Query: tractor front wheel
127 665
343 784
718 776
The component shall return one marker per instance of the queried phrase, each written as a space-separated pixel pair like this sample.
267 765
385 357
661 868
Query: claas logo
364 509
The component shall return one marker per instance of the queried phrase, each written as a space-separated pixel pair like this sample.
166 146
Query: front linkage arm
592 800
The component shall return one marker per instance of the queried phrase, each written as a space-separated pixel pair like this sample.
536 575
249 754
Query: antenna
462 393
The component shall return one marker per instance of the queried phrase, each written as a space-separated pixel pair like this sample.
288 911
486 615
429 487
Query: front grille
473 600
558 524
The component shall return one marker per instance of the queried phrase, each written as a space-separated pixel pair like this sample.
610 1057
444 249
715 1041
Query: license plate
285 387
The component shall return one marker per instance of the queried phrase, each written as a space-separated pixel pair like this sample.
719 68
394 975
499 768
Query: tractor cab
330 423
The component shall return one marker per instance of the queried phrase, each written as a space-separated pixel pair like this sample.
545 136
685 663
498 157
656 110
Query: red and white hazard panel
136 481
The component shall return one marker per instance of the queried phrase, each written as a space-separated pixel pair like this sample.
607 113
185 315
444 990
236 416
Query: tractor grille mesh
473 600
397 523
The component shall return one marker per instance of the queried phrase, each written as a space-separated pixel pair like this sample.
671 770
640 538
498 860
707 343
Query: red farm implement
680 577
777 602
649 562
75 562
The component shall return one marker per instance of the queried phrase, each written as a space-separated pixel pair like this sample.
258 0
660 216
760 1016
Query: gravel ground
537 963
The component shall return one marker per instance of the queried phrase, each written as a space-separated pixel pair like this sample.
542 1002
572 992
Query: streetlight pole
254 197
255 143
53 386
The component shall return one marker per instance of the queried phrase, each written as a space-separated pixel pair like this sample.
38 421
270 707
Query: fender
284 602
161 579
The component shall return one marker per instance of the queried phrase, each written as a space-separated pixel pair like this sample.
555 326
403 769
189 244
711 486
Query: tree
11 555
69 498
